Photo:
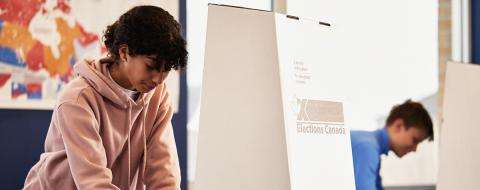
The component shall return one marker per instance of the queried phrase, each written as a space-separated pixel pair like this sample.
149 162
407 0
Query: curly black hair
148 30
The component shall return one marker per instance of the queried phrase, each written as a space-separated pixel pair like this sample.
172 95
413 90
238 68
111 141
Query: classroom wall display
459 145
39 43
267 118
41 40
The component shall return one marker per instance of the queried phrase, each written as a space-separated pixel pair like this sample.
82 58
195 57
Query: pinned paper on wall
40 41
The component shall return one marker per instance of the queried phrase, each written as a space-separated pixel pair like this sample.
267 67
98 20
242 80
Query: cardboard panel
459 167
319 148
241 143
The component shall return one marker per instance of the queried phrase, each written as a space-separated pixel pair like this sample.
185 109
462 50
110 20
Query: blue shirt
367 147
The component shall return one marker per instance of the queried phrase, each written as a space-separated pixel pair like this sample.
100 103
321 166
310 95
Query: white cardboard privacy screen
267 120
459 165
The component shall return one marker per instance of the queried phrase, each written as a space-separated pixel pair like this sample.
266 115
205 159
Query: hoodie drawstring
129 112
144 144
143 114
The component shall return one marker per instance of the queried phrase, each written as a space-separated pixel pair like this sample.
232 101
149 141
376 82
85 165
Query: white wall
390 54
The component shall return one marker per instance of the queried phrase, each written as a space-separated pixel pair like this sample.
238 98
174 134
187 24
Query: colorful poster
39 43
41 40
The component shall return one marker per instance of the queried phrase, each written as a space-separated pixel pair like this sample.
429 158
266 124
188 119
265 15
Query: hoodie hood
96 74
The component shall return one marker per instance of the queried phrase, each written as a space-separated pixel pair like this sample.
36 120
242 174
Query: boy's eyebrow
154 62
151 61
152 57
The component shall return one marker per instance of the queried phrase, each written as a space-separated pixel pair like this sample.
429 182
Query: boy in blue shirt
407 125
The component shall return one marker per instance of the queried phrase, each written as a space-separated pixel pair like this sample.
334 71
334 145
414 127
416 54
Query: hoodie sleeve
162 167
83 144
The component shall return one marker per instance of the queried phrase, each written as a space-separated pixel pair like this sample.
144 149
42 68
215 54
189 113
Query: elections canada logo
318 117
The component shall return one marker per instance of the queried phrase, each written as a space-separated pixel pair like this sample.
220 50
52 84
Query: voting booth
459 151
267 117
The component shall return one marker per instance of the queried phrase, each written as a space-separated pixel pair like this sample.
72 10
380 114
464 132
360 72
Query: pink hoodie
99 138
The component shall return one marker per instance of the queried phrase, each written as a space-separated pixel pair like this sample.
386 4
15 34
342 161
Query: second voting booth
268 119
459 146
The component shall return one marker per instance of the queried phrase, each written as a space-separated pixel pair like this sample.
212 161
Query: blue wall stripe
180 119
475 11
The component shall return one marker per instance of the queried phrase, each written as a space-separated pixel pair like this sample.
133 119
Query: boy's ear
398 124
123 52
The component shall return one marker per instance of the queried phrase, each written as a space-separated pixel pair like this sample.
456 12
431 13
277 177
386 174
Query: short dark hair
413 114
148 30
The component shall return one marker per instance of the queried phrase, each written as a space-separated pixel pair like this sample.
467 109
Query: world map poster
41 40
39 43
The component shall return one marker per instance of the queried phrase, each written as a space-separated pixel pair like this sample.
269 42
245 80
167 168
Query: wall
22 133
390 50
475 31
